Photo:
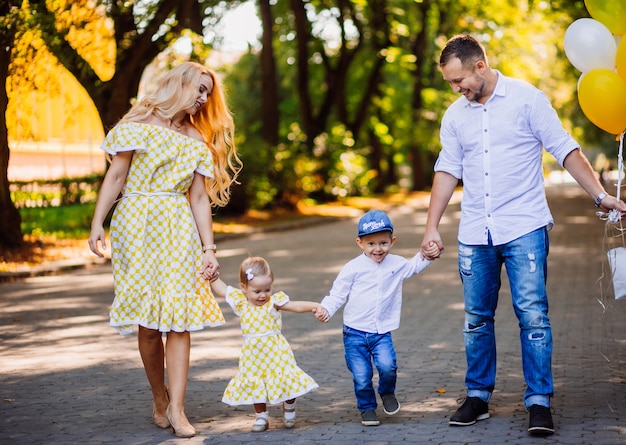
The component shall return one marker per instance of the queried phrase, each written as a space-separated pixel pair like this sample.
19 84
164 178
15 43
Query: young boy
370 285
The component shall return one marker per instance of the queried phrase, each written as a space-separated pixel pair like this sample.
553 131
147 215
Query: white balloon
590 45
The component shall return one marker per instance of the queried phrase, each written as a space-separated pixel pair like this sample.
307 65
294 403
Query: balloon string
615 215
620 165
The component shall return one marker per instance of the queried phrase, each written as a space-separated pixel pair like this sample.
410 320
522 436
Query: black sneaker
473 409
540 421
369 418
390 403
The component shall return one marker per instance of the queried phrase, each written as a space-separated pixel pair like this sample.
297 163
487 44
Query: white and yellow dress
267 372
156 249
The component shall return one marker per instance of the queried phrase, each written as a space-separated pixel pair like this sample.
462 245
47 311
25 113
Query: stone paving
68 378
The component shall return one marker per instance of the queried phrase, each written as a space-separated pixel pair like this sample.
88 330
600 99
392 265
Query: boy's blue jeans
525 260
361 349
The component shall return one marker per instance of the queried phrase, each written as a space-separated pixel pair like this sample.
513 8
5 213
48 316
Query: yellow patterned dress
156 249
267 372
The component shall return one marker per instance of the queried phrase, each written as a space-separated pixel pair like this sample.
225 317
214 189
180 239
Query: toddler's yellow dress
267 372
156 249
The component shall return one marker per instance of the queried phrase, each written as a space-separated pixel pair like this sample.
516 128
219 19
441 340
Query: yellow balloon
611 13
602 97
620 59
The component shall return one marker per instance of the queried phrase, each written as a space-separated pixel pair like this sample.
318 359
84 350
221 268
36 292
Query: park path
66 377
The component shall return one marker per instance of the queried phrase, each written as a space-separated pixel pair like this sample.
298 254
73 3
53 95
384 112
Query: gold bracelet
212 247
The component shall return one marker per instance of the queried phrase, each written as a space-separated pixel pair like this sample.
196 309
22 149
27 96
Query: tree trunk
269 87
11 232
375 162
418 48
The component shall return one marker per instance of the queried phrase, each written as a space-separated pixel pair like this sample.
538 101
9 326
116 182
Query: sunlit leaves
37 81
375 93
85 26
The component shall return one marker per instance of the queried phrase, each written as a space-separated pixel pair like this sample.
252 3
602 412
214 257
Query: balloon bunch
596 48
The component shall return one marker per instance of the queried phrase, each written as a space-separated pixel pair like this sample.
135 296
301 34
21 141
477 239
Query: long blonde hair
178 91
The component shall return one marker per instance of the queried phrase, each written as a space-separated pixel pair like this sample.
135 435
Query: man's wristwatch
599 199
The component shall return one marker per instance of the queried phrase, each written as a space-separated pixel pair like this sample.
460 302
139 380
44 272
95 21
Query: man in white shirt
493 138
370 286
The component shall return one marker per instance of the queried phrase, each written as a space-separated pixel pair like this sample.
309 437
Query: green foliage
342 158
67 222
54 193
242 83
378 130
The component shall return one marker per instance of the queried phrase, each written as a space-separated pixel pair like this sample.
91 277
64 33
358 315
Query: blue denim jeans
525 260
361 348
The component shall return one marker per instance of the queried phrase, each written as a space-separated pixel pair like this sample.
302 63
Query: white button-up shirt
496 149
372 292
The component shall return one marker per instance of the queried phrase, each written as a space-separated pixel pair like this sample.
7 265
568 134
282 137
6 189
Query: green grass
67 222
62 223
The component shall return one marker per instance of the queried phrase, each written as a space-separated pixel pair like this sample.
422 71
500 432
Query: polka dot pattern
268 372
156 249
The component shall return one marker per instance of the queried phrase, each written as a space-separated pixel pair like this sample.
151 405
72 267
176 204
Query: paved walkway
66 377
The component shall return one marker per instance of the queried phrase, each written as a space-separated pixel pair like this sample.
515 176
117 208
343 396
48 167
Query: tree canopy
342 97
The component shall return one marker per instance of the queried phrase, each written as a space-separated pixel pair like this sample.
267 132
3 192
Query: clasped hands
210 269
321 313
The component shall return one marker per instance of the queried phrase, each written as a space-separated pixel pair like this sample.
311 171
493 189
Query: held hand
210 269
432 245
321 313
97 234
432 252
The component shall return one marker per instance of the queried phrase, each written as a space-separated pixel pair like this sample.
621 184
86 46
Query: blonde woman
172 159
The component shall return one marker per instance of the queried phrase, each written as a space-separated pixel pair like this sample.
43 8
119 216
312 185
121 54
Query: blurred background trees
338 98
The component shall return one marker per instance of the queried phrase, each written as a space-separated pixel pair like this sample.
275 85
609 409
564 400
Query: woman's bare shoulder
193 133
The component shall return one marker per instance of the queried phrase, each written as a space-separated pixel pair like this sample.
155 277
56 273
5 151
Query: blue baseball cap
374 221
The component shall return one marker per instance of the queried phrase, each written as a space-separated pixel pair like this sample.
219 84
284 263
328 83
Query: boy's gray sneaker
369 418
390 403
473 409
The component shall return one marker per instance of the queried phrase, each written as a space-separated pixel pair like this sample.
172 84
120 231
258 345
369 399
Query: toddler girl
268 372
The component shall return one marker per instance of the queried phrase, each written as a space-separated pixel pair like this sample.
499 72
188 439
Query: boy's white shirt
372 292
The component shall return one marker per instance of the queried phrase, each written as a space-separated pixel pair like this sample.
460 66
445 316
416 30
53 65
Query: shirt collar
500 89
